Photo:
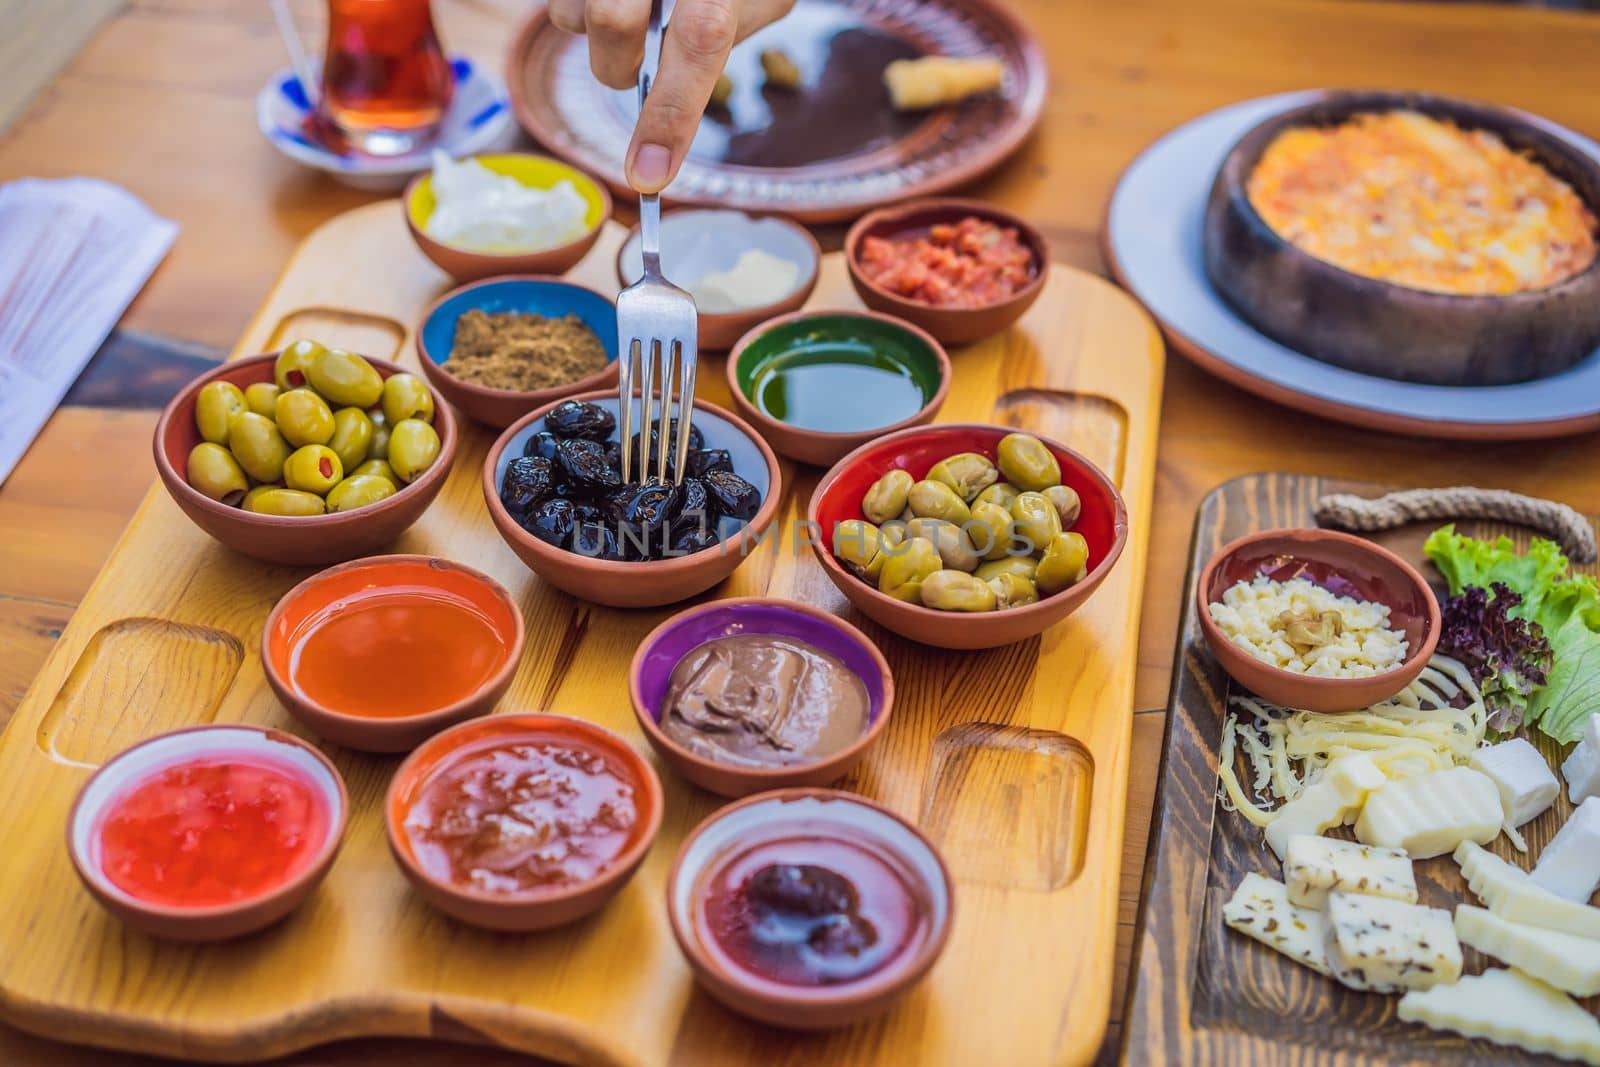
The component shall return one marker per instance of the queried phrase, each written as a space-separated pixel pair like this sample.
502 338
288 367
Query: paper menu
73 254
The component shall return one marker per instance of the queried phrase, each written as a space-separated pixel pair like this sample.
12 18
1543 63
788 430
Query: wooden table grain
161 101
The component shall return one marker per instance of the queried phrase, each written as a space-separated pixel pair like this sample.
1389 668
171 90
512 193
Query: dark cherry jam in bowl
809 908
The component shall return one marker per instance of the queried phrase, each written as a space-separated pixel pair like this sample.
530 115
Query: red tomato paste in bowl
969 263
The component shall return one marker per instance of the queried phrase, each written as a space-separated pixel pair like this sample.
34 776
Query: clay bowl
1375 327
620 584
952 326
807 812
1103 524
310 603
299 541
550 297
220 921
699 241
533 909
1347 565
540 172
782 338
679 635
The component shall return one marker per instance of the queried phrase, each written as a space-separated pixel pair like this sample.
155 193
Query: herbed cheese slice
1327 802
1569 866
1564 961
1508 1008
1260 909
1526 783
1432 813
1511 894
1317 866
1388 946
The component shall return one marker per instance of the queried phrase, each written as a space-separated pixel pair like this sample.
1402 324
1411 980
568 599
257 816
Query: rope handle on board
1573 532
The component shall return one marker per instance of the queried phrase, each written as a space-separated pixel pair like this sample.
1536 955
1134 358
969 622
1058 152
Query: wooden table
161 102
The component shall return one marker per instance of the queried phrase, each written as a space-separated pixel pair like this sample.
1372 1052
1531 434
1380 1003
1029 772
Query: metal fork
655 319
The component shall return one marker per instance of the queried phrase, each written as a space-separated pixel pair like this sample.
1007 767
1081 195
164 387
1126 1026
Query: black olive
695 503
573 418
614 456
652 504
542 444
583 466
688 538
802 889
595 540
731 495
583 512
703 462
528 482
696 443
552 521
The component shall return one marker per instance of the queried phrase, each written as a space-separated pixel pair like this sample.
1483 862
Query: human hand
699 36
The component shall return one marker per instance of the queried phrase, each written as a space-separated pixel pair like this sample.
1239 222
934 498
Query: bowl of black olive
553 484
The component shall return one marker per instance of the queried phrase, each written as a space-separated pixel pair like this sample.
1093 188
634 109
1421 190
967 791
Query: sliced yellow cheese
1432 813
1508 1008
1327 802
1510 893
1562 960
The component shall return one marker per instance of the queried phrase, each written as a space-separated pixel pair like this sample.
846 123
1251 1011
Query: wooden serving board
1202 994
1015 761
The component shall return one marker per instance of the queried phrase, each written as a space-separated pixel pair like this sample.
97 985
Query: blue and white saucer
479 120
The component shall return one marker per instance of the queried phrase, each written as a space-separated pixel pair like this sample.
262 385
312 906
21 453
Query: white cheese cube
1432 813
1564 961
1508 1008
1527 786
1260 909
1569 866
1325 803
1388 946
1317 866
1509 893
1581 769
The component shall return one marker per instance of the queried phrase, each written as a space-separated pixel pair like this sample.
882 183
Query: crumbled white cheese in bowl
1301 627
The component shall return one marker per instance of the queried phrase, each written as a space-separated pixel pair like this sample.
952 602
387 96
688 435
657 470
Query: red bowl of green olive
307 456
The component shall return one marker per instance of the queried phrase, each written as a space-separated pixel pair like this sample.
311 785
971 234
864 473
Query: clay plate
620 584
1374 327
682 633
1345 564
952 326
535 909
530 294
539 172
300 541
1103 524
698 241
401 733
220 921
827 152
822 448
800 811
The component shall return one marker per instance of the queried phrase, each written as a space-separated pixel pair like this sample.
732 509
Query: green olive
955 551
967 473
214 472
275 501
1021 566
887 497
1066 502
990 530
314 469
413 446
262 398
1065 563
935 500
256 443
250 498
378 468
915 560
405 396
956 591
1002 493
379 448
357 491
345 379
856 542
352 436
1034 519
1012 591
303 418
291 369
214 408
892 535
1026 463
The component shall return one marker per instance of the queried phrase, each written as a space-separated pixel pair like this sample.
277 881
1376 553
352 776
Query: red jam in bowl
967 264
213 830
513 816
810 910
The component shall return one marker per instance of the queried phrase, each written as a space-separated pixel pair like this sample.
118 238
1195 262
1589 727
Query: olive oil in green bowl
838 373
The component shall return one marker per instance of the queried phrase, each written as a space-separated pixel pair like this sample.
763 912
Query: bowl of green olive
307 456
965 535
